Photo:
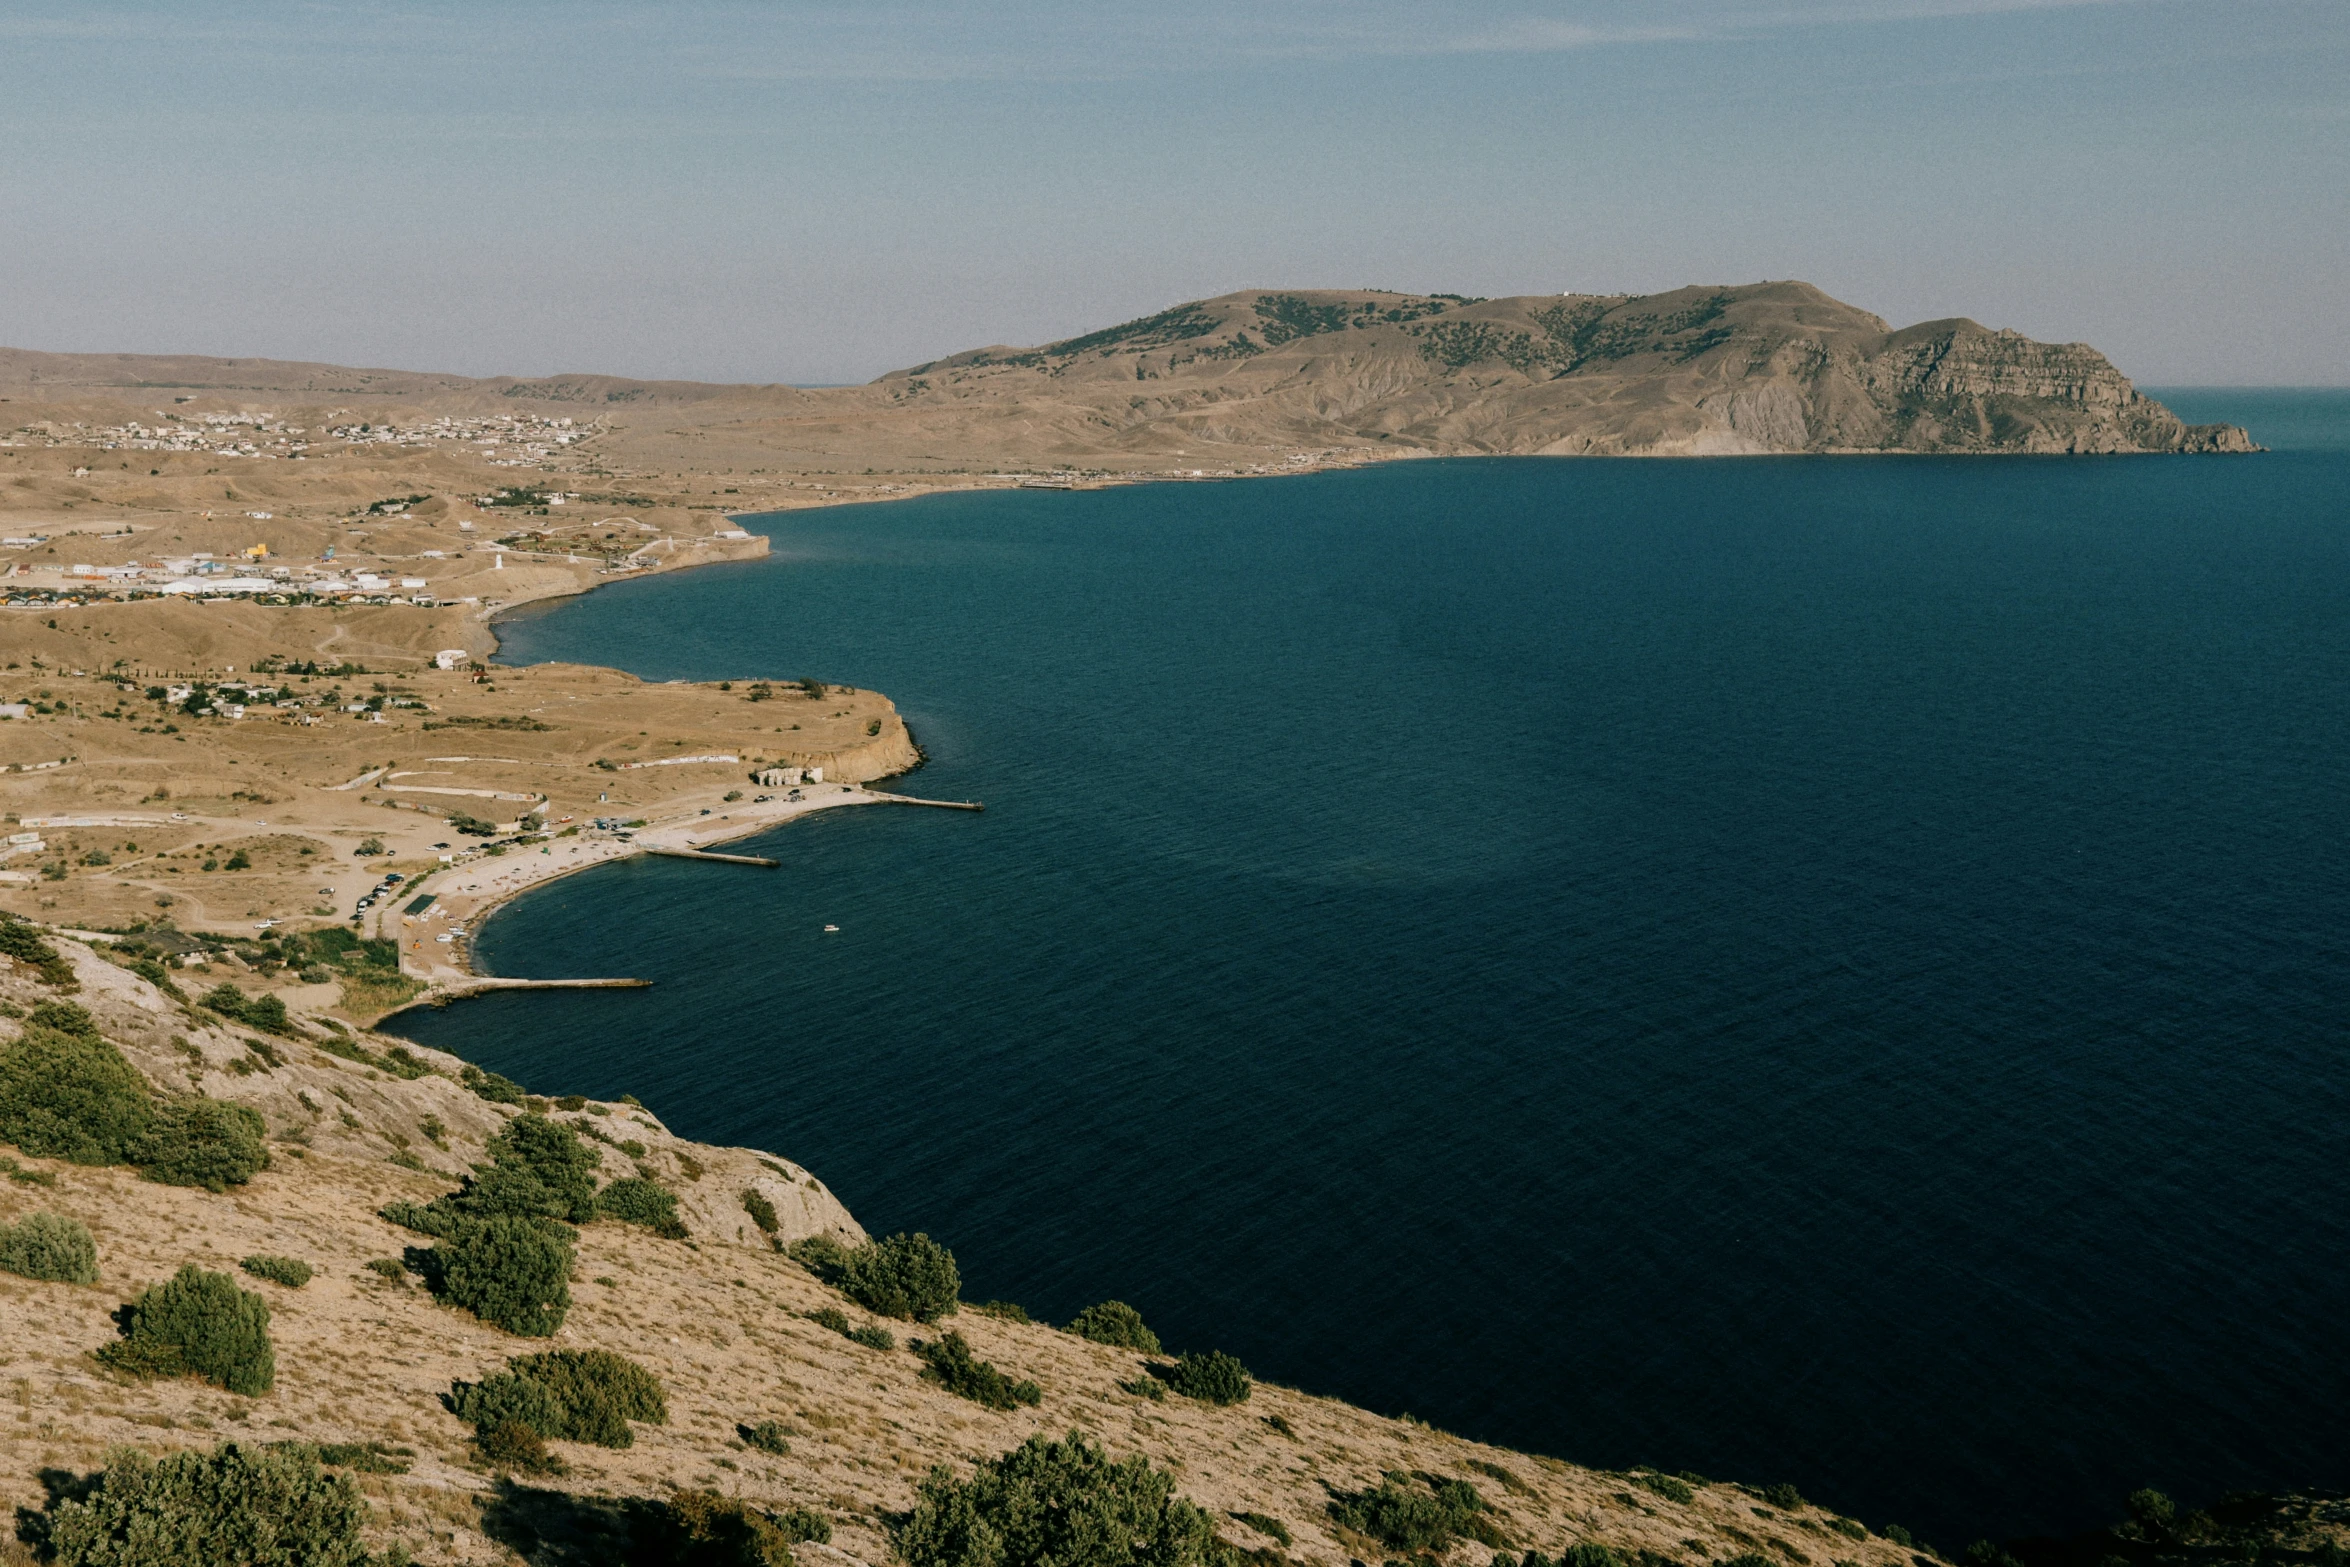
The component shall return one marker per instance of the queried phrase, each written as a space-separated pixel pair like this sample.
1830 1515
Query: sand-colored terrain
721 1319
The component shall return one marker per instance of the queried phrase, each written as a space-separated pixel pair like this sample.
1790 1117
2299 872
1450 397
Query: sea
1814 970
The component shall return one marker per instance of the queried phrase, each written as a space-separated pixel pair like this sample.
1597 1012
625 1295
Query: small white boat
830 928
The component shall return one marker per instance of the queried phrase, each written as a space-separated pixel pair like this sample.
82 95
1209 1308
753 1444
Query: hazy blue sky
821 191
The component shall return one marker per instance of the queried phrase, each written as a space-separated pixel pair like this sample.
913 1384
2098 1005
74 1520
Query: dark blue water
1817 970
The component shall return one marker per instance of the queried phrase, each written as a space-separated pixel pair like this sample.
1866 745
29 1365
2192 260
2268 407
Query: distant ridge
1701 371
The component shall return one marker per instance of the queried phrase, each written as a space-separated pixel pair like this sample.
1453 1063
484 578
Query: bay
1814 970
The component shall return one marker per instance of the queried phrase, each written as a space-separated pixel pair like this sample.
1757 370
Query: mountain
1763 367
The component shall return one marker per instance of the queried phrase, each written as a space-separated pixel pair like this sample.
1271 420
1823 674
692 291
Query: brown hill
1767 367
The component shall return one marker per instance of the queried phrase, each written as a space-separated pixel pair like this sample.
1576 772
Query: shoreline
491 882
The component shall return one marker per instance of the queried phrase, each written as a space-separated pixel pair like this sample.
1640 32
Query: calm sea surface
1825 970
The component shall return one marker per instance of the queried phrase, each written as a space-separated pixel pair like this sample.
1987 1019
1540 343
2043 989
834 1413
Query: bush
870 1337
640 1200
198 1323
66 1017
233 1504
1415 1516
1667 1487
292 1272
820 1255
71 1095
1591 1555
1850 1528
903 1276
203 1142
950 1363
1212 1378
267 1013
49 1247
566 1395
538 1169
489 1085
1004 1311
767 1437
1115 1322
800 1524
512 1273
1785 1497
1270 1528
873 1336
705 1529
1059 1502
512 1445
762 1213
20 941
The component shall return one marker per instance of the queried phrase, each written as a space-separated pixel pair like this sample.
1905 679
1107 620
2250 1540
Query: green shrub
1213 1378
512 1445
871 1337
1115 1322
1749 1559
513 1273
198 1323
820 1255
1063 1502
267 1013
292 1272
1417 1515
762 1213
1145 1386
71 1096
1988 1553
950 1363
20 941
638 1199
566 1395
704 1529
489 1085
233 1504
800 1524
1270 1528
1899 1536
1850 1528
1593 1555
903 1276
1664 1485
49 1247
1783 1496
1003 1311
66 1017
767 1437
203 1142
424 1220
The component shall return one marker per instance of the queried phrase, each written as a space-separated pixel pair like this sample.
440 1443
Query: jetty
710 854
479 984
906 799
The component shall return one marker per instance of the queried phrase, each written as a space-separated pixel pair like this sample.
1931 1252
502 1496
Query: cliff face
1769 367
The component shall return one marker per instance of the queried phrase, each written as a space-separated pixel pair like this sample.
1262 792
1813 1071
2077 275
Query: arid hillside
770 1404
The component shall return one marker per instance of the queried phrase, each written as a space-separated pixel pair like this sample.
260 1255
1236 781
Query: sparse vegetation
49 1247
292 1272
1003 1310
267 1013
489 1085
197 1323
565 1395
1061 1502
872 1337
233 1504
949 1362
1665 1485
762 1213
1115 1322
1212 1377
20 941
1271 1528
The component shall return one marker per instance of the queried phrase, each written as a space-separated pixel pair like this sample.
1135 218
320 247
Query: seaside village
247 697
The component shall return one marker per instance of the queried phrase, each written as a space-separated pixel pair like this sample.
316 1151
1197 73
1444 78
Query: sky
816 191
